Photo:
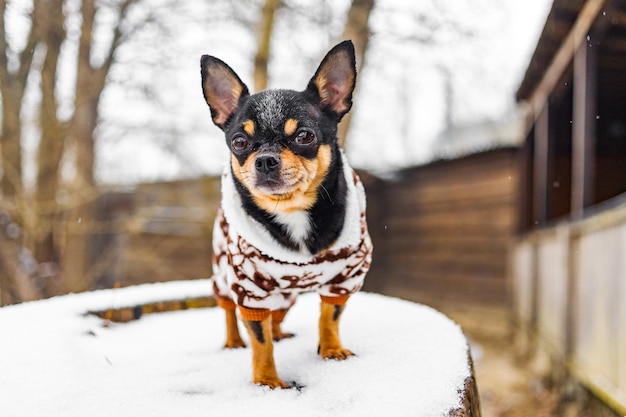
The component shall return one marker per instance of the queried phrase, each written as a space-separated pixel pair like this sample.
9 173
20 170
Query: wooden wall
441 231
165 236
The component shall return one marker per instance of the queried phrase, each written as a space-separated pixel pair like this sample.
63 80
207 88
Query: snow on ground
58 361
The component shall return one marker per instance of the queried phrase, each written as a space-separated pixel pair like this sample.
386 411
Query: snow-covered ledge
56 360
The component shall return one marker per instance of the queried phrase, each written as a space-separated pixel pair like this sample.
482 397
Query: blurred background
491 137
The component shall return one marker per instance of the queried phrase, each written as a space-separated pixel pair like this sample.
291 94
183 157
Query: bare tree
16 265
47 22
356 29
262 56
14 69
52 141
15 66
90 83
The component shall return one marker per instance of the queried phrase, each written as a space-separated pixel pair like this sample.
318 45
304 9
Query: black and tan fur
288 170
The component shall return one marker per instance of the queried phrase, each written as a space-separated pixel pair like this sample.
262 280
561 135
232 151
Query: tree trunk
10 141
262 56
80 221
356 29
15 283
51 144
12 86
77 254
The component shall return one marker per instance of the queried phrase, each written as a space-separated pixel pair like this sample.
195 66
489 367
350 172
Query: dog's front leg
330 346
233 338
263 367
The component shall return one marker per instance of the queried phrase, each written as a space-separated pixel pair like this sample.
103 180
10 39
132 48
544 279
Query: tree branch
4 70
118 37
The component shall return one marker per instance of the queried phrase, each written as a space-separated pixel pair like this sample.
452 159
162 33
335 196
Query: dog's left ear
334 80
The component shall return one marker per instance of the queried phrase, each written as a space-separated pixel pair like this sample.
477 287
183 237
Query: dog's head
282 142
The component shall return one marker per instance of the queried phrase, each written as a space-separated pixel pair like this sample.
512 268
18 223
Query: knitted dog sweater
253 271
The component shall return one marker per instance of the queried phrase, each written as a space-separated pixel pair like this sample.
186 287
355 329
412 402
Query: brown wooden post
525 184
584 128
540 166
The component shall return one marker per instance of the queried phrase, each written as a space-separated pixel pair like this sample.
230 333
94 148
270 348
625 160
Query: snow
58 361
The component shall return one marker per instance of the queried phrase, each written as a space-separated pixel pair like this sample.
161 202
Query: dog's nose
266 163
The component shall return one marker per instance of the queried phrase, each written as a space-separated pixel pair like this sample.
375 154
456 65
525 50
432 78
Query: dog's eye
239 143
305 137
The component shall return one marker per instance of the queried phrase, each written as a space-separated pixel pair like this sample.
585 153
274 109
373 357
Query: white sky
399 108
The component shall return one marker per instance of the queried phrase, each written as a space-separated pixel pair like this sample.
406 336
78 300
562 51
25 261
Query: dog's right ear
222 88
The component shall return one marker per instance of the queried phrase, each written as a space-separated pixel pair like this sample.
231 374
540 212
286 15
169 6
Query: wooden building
155 232
568 264
441 230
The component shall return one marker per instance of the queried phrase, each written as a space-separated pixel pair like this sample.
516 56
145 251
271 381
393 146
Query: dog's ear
334 80
222 88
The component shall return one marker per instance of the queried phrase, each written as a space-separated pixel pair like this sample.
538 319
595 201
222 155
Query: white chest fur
297 223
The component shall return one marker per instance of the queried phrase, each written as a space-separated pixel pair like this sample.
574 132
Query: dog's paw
336 353
273 383
280 336
234 344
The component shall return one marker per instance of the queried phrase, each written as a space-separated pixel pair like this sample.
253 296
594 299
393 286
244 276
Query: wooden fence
441 231
570 291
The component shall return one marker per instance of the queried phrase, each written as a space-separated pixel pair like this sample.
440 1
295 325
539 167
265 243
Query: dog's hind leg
233 338
277 318
330 346
259 323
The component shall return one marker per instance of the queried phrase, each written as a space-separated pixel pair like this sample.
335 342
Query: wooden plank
563 58
451 212
552 290
457 241
597 359
459 251
439 287
463 241
525 186
584 128
458 206
501 219
621 316
473 168
422 263
461 191
479 171
596 306
523 278
443 274
540 168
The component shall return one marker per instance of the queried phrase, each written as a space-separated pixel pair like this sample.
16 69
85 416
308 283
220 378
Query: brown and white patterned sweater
254 271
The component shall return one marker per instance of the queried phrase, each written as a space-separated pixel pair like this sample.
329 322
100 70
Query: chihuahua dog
292 216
